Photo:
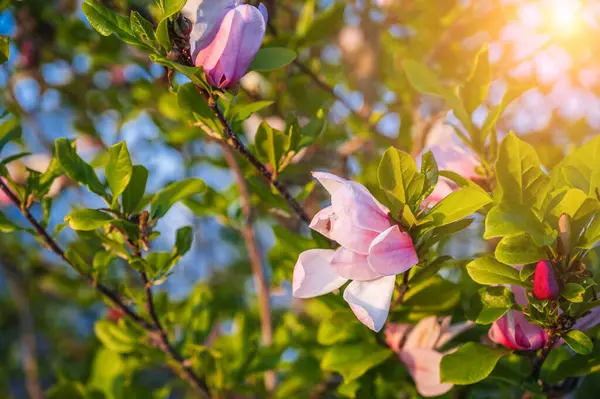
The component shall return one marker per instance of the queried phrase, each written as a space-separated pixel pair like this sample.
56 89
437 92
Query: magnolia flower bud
225 37
564 228
545 285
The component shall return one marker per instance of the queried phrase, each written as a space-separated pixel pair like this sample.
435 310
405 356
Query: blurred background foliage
64 80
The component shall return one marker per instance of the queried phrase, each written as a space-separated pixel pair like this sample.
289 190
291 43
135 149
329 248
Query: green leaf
330 333
6 226
88 219
270 58
489 304
159 264
306 17
270 144
43 184
167 197
10 130
106 22
399 178
170 7
471 363
313 130
4 49
488 271
118 169
77 261
518 250
580 168
432 295
505 220
429 169
573 292
519 173
579 342
458 205
133 194
478 83
141 27
526 272
183 243
354 360
114 337
576 366
591 235
188 98
188 71
76 168
243 112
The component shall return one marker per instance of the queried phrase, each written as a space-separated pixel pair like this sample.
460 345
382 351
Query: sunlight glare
565 15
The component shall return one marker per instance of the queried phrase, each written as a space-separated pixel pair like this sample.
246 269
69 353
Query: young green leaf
170 7
76 168
270 58
7 226
135 190
183 243
458 205
488 271
167 197
269 145
518 250
478 83
88 219
106 22
471 363
573 292
119 169
399 178
519 173
506 220
354 360
4 49
579 342
489 304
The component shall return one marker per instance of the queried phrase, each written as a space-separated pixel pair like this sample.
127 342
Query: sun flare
565 15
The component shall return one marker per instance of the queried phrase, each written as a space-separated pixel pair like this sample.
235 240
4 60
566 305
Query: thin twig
182 369
238 146
258 272
151 328
402 290
537 367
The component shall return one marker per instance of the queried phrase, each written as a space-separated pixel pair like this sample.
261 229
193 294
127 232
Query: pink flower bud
545 285
225 37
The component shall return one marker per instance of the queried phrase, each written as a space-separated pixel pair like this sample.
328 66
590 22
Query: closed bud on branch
545 285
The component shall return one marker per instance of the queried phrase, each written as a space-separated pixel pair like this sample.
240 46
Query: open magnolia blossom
418 348
225 37
373 251
450 154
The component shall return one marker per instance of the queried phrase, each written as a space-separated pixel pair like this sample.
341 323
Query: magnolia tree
299 199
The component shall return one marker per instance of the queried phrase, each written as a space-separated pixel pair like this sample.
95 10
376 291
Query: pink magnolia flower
373 251
450 154
418 348
225 37
514 331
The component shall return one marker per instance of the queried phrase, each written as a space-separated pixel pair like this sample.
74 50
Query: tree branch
152 329
238 146
258 272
